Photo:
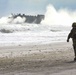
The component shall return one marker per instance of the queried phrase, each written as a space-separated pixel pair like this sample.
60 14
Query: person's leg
74 47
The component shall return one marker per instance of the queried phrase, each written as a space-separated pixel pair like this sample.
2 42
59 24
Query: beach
43 59
33 37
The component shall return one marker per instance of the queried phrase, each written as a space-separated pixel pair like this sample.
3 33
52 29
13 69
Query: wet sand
47 59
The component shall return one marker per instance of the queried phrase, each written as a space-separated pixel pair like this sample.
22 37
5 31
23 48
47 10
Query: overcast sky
33 6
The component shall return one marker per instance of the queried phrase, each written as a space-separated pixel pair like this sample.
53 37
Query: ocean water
54 28
24 34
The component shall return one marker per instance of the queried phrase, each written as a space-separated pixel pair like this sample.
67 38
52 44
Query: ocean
25 33
54 28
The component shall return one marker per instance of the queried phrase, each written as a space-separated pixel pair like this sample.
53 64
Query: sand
46 59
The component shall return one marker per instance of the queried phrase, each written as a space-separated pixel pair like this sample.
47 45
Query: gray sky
33 6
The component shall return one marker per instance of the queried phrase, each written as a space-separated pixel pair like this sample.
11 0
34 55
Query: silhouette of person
72 35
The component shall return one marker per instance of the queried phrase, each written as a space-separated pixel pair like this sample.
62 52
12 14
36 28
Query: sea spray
5 20
19 20
10 19
63 17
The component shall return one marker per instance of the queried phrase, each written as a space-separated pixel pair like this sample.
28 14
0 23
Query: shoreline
48 59
19 50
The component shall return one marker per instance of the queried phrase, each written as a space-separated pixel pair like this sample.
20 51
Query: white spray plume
10 19
60 17
4 20
19 20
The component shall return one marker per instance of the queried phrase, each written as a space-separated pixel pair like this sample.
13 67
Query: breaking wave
10 19
53 17
63 17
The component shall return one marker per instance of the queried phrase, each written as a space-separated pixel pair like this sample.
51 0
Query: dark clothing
71 35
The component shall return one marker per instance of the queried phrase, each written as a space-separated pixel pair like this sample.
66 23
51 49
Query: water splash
63 17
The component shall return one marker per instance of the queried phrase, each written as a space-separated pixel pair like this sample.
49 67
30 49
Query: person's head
74 25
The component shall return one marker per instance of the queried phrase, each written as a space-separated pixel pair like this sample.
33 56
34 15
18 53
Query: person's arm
70 35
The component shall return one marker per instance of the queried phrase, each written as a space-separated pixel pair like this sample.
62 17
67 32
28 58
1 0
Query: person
72 35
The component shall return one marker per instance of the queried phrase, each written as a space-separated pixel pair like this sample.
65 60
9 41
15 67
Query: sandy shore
47 59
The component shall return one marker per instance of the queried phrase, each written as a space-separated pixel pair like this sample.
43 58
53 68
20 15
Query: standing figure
72 35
